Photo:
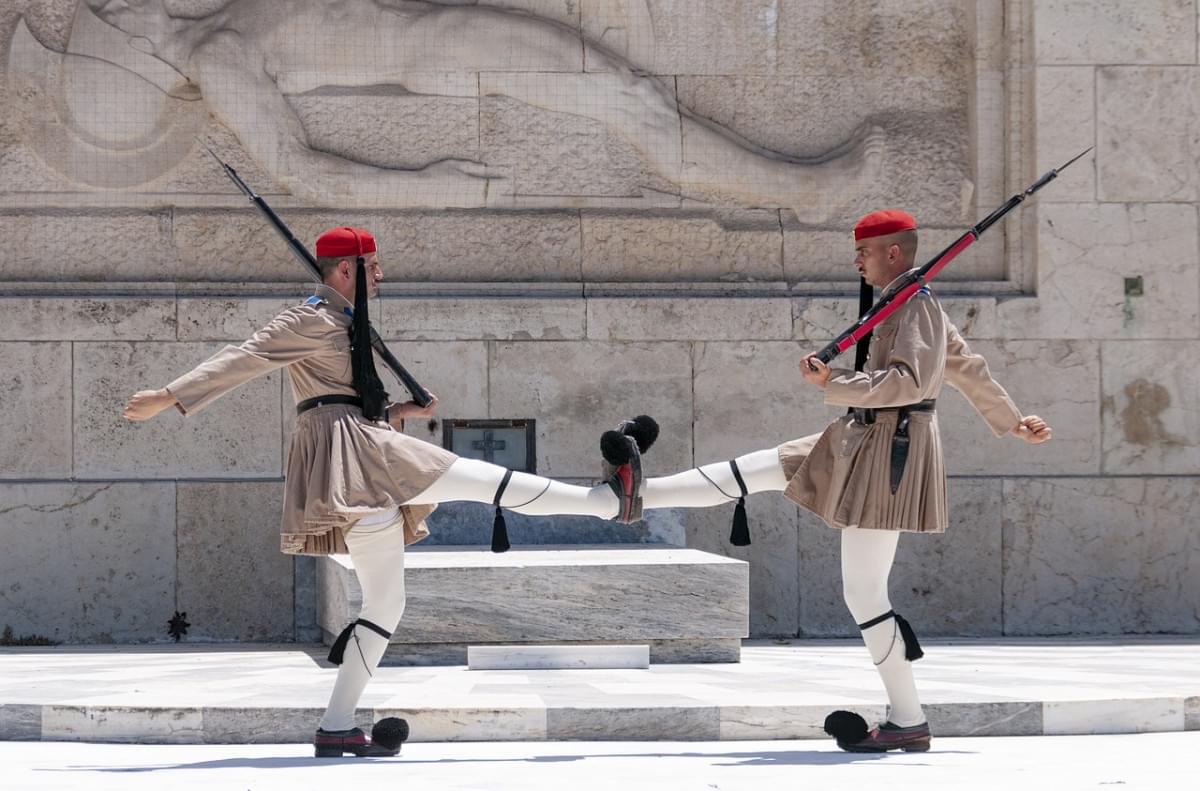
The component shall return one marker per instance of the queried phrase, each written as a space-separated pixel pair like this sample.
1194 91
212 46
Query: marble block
558 657
1066 113
230 530
1085 253
1101 556
1146 139
88 563
1115 31
238 436
35 392
689 606
1150 408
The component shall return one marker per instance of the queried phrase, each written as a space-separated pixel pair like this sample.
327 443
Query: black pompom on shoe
615 448
389 733
846 726
643 429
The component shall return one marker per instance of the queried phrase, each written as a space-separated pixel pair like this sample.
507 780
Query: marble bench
687 605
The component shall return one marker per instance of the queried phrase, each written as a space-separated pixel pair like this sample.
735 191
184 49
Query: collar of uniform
331 296
892 286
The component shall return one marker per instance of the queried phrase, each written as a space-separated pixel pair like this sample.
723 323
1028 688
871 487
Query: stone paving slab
197 694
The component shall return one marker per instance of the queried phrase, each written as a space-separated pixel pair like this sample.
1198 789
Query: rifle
419 394
913 280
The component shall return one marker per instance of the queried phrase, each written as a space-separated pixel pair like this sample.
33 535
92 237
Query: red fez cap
882 223
347 241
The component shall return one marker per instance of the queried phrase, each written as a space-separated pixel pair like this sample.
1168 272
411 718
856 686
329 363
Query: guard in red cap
355 482
874 473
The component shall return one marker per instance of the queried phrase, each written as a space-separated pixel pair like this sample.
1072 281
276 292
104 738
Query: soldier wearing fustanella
355 483
876 472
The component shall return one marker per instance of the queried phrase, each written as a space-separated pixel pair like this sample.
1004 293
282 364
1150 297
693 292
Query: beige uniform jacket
341 466
844 474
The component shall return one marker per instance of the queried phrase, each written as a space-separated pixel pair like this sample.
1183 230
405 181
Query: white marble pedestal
687 605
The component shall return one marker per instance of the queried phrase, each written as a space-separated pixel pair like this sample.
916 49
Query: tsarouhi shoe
384 742
622 451
852 735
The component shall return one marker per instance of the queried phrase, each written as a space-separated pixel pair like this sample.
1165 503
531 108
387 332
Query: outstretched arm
968 373
278 344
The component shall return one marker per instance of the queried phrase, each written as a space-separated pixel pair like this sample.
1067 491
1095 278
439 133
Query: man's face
875 261
348 271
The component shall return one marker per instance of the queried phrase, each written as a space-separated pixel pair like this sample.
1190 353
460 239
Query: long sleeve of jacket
278 344
911 366
968 373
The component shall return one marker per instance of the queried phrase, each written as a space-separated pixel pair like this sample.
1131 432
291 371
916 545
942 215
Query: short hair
906 241
328 263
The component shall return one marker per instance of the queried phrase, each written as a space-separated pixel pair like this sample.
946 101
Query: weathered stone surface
1147 140
261 725
730 246
239 246
230 531
1056 380
751 396
1151 408
231 319
711 37
471 724
1101 556
695 319
925 162
119 246
35 392
421 129
665 723
773 557
1154 715
305 600
1066 124
20 723
88 563
543 381
564 158
1192 714
455 319
238 436
945 584
554 595
134 725
1110 31
1086 251
985 719
87 319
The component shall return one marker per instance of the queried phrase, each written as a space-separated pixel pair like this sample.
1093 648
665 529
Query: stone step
687 605
195 694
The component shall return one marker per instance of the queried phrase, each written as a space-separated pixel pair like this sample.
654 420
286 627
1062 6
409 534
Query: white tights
867 557
377 551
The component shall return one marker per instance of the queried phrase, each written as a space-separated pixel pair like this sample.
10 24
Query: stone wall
696 314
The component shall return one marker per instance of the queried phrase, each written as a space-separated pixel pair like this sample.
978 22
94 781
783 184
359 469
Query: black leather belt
327 400
900 438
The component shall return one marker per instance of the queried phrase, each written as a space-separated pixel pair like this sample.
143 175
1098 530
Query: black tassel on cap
499 529
912 649
739 535
362 362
